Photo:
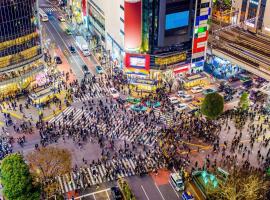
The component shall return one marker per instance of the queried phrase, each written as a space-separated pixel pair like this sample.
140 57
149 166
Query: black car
72 49
85 69
116 193
228 98
58 60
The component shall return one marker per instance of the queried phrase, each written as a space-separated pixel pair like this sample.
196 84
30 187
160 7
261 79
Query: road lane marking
94 196
174 189
159 191
145 192
93 193
67 47
108 195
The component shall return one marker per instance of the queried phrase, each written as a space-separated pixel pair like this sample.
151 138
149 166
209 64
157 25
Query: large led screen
177 20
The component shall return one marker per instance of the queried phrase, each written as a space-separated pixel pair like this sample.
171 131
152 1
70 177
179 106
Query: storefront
116 53
77 11
221 68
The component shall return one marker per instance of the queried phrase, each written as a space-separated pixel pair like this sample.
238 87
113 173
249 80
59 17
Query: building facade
253 15
151 39
20 44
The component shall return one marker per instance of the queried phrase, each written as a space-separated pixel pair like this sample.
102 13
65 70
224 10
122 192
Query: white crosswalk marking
165 118
125 167
100 92
49 9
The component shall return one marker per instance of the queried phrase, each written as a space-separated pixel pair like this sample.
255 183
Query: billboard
177 20
133 24
138 64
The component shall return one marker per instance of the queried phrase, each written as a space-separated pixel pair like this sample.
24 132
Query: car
114 93
99 69
234 79
181 106
133 100
196 89
173 100
187 196
228 98
72 49
138 108
181 93
186 98
61 18
209 91
247 84
116 193
68 31
58 60
85 69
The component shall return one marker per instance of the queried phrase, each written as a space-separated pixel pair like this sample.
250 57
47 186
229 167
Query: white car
173 100
186 98
181 106
196 89
114 93
61 18
181 93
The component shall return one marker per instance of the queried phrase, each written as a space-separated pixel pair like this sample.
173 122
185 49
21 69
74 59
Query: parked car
114 93
173 100
209 91
99 69
138 108
181 93
116 193
187 196
85 69
186 98
72 49
228 97
61 18
234 79
196 89
58 60
181 107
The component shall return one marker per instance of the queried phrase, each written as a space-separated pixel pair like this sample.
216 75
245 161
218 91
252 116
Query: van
177 181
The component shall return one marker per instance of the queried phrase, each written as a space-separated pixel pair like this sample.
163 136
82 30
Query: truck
83 46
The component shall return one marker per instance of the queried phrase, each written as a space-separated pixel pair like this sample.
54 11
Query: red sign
137 63
84 7
133 24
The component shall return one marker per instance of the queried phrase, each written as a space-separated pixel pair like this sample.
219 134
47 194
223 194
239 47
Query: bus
43 16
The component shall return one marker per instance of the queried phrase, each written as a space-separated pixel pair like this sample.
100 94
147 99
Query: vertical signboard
133 25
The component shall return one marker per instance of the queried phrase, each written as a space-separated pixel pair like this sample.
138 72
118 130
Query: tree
46 163
244 101
212 105
240 186
17 180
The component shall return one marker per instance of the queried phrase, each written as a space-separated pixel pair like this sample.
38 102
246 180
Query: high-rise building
153 38
20 44
253 15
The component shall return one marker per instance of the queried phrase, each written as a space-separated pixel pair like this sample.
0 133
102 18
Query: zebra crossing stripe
76 116
65 183
61 184
72 179
91 177
87 176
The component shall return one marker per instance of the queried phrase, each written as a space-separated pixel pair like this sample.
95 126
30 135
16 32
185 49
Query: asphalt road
55 33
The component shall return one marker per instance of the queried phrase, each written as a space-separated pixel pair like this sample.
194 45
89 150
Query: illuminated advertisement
133 24
137 64
170 59
177 20
181 69
84 7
